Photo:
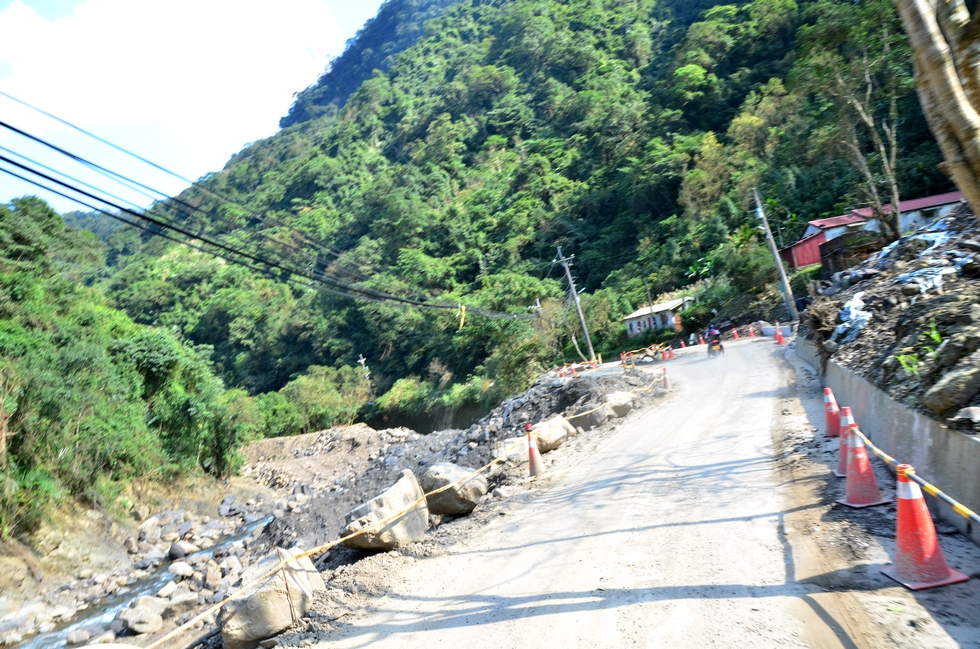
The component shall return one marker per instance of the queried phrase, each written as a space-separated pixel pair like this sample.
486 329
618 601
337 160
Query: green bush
327 396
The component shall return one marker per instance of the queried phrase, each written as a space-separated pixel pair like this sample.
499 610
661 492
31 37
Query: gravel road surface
682 528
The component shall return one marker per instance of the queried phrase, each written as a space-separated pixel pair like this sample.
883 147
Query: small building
665 315
820 232
804 252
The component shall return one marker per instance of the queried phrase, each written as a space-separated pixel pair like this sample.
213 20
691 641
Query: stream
106 611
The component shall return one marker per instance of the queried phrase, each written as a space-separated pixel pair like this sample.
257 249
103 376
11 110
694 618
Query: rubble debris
908 319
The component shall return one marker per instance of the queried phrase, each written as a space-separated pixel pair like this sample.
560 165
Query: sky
184 83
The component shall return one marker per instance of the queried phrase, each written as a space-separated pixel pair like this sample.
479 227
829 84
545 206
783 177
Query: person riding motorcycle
714 338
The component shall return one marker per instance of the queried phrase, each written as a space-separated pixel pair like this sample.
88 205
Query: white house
659 316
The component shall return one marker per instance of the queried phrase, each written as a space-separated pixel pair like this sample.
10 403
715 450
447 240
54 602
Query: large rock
552 433
956 388
459 499
619 403
407 528
179 604
590 416
142 620
269 607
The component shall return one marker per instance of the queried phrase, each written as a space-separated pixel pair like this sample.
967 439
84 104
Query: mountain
398 25
475 137
628 132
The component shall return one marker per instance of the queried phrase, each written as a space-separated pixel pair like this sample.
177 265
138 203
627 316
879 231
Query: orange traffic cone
844 430
666 380
862 488
671 353
572 367
534 464
919 561
751 331
700 340
682 344
775 333
735 334
831 413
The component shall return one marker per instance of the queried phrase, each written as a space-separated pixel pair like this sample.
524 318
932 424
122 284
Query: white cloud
186 83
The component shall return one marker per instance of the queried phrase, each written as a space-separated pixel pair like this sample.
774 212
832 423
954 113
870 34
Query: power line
138 187
378 297
170 172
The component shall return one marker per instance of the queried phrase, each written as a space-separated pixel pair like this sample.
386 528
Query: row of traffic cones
919 561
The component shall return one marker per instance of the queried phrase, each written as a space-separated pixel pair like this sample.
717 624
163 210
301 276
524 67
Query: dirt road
685 527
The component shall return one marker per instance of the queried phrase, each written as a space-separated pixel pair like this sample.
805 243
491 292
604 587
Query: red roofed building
914 214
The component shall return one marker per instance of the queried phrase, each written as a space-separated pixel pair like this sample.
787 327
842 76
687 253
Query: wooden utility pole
787 292
578 304
647 288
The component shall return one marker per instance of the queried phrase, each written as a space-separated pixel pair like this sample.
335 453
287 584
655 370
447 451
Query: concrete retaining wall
947 458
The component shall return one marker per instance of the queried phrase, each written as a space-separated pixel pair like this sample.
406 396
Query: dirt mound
908 319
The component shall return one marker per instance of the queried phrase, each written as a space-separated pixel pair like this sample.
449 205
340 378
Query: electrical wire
138 187
170 172
377 298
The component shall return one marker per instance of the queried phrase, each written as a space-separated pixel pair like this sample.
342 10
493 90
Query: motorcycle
715 348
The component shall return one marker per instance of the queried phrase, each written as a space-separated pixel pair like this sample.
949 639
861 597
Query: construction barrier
831 413
919 561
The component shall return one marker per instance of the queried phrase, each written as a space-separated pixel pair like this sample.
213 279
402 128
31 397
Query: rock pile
908 319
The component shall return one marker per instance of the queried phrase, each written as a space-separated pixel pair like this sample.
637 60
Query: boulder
552 433
619 403
141 620
407 528
459 499
181 569
155 604
167 590
591 415
956 388
269 608
179 604
78 636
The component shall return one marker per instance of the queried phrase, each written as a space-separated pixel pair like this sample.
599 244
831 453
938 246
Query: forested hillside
629 132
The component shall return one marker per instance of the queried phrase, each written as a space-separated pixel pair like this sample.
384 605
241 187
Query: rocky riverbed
179 562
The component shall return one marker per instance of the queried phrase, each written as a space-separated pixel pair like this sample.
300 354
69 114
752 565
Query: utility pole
647 287
578 303
787 292
367 373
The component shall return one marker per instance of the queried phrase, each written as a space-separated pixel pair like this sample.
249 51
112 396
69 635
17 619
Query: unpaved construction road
693 524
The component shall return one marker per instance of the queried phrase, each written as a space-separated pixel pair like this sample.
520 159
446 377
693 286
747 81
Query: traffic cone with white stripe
751 331
671 353
534 463
831 413
666 380
700 340
735 334
919 561
682 344
862 487
844 430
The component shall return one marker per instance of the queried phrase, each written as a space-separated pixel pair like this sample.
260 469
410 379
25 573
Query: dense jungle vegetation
442 158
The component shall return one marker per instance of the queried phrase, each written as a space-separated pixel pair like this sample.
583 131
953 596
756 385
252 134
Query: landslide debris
908 319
